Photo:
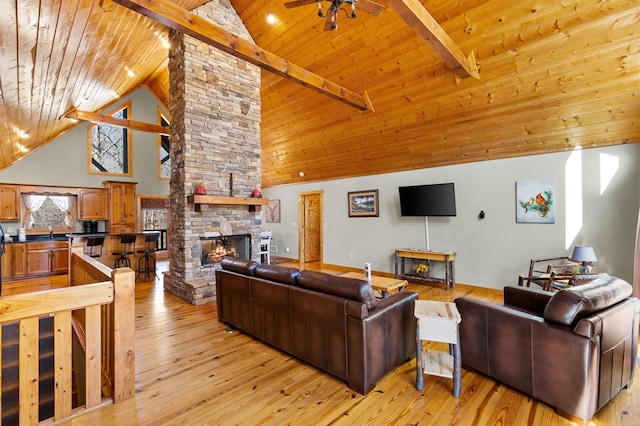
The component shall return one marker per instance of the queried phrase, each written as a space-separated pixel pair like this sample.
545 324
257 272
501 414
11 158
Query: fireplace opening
214 249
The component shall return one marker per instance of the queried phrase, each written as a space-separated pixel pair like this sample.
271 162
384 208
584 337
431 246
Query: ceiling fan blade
370 7
331 22
298 3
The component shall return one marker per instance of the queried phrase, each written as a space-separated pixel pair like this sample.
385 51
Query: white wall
493 251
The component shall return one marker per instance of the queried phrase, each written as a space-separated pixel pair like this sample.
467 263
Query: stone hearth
214 101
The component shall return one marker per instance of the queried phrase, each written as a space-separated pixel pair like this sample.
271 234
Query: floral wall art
535 201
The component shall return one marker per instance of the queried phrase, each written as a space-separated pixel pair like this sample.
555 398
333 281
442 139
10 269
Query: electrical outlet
11 230
274 249
351 256
287 249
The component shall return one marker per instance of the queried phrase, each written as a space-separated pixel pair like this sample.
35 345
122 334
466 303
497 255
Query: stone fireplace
214 101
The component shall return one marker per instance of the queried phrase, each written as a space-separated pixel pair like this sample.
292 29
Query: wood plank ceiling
553 76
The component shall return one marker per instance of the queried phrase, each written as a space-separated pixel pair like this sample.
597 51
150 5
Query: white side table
438 322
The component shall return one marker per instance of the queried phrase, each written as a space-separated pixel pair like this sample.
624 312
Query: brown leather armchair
574 349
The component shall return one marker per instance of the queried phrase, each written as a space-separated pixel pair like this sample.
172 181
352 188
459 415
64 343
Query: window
110 146
164 157
48 211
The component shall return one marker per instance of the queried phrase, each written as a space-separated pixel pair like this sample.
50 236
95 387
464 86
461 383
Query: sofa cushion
281 274
241 266
349 288
570 305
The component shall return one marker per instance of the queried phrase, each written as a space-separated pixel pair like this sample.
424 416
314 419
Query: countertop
104 234
38 238
65 237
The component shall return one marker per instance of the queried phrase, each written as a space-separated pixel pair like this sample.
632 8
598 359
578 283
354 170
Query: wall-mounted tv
428 200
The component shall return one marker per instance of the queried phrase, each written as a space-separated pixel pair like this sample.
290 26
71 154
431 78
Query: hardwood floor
190 371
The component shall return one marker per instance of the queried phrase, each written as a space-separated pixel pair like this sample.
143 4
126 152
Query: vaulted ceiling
552 76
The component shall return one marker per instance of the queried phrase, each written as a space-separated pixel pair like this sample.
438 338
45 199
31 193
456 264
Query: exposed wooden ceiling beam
120 122
174 17
417 18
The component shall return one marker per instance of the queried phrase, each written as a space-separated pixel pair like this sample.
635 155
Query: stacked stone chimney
214 101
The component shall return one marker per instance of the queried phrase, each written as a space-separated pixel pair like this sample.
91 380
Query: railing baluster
93 320
62 346
28 376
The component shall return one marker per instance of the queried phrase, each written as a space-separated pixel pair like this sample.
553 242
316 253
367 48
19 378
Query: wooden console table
448 257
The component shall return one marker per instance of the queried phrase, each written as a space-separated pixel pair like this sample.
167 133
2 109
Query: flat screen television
428 200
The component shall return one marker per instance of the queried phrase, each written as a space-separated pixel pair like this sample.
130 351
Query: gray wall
63 162
493 251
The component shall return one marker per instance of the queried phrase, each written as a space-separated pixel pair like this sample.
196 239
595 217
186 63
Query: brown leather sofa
574 349
334 323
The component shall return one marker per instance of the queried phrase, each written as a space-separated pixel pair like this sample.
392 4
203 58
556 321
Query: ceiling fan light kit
331 15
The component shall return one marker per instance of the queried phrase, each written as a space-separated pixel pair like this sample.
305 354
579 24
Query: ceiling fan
331 21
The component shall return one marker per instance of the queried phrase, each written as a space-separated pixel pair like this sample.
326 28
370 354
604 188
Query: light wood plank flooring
189 371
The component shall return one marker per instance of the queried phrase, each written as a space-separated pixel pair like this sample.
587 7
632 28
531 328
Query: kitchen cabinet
60 260
7 260
92 204
48 257
9 202
121 208
18 260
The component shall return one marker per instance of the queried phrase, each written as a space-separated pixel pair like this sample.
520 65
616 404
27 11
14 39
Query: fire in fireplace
214 249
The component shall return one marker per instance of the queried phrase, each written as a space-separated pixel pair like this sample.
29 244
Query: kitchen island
112 245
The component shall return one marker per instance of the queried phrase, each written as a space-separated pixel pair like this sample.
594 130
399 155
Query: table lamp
583 254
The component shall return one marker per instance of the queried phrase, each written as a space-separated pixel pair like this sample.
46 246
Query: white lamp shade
583 254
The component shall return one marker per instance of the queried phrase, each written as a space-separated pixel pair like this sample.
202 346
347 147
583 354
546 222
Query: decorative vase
256 193
200 190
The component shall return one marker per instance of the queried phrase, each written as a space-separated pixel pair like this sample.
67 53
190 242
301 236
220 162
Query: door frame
301 227
159 255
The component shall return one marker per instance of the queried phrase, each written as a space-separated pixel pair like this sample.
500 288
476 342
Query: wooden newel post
123 338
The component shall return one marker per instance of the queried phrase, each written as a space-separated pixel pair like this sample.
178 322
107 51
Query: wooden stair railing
105 298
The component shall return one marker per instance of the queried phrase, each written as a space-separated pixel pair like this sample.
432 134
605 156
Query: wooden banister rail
118 319
95 290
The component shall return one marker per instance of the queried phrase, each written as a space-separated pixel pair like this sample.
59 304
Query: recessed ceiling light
271 18
130 72
22 134
21 147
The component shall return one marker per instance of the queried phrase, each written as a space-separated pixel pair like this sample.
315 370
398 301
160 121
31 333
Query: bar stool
123 260
145 262
95 246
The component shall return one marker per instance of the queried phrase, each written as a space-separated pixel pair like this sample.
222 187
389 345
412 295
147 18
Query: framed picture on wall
272 215
535 201
363 203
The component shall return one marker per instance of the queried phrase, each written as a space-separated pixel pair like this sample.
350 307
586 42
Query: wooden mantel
252 202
